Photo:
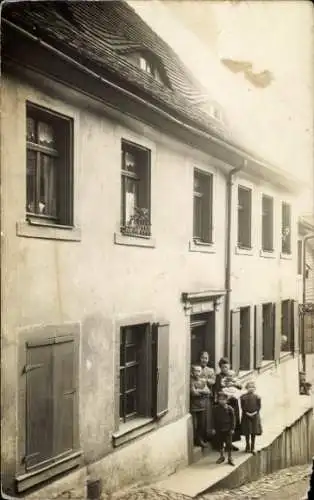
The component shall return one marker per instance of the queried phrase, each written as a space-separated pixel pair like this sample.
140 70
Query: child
230 387
224 425
199 394
251 421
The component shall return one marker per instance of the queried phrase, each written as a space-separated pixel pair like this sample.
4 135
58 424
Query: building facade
114 250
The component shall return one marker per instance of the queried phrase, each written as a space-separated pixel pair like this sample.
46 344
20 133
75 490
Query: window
244 217
49 167
135 195
286 325
144 354
203 207
48 405
268 319
286 228
267 223
300 257
245 338
149 63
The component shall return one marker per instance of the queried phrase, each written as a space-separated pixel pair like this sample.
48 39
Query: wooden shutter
277 329
161 392
295 326
65 395
258 336
235 335
39 403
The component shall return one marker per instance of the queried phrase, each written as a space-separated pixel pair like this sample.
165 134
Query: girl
251 421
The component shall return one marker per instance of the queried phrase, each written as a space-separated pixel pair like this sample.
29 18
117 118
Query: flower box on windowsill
286 256
268 254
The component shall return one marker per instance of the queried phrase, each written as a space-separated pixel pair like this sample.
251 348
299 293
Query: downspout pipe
305 240
228 268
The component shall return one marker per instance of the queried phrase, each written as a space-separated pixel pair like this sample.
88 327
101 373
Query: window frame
248 244
65 179
270 236
46 335
209 195
140 424
144 192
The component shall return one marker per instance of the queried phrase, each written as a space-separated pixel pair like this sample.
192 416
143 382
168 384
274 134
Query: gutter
228 268
292 182
305 240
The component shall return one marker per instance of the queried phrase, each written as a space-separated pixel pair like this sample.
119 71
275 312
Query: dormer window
148 63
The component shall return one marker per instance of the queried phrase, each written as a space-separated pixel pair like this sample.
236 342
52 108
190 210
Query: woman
208 374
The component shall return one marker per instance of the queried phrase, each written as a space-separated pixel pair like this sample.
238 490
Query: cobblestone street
291 484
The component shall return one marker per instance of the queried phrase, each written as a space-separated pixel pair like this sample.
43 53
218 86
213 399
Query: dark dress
233 402
250 425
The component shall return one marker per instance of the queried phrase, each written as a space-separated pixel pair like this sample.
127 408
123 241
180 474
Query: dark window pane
31 130
131 406
131 335
121 381
202 216
244 217
121 407
47 199
31 182
131 377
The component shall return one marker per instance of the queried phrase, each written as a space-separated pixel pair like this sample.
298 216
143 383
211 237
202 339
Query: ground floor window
268 329
143 370
48 401
245 338
286 325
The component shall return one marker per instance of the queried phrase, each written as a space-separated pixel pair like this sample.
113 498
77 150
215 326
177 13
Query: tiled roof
97 33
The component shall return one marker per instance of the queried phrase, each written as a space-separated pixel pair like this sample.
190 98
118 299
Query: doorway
203 337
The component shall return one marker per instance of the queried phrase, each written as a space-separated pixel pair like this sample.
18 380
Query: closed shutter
65 394
161 331
277 329
295 326
258 336
235 335
39 403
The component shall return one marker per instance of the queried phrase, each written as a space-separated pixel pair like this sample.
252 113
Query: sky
274 121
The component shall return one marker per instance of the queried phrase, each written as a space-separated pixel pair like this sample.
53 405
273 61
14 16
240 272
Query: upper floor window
203 207
48 167
267 223
135 190
244 217
285 228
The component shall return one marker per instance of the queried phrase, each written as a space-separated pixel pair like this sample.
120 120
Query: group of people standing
215 407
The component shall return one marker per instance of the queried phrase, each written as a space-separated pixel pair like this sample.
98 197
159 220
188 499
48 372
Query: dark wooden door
203 336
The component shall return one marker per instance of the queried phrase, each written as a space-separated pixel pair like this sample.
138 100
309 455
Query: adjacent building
135 234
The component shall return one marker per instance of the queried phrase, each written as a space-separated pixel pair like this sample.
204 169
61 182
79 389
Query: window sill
266 365
132 430
134 241
244 374
286 256
267 254
30 479
243 251
200 246
29 229
285 356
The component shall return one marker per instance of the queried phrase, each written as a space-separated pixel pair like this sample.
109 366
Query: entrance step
286 442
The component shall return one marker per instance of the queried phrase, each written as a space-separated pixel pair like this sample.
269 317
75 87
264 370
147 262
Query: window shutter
235 334
65 392
277 329
258 337
162 376
295 326
39 404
